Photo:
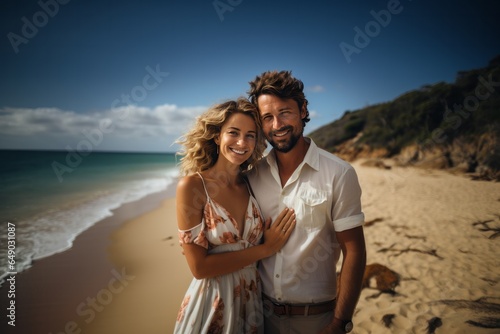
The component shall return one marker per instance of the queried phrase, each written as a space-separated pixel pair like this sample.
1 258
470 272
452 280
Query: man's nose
277 123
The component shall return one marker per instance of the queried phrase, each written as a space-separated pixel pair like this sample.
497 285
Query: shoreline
56 293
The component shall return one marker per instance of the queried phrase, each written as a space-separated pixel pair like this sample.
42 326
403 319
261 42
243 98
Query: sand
425 229
149 250
434 231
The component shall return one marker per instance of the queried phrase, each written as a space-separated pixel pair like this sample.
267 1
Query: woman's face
237 138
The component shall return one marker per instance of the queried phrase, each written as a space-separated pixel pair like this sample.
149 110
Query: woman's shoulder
190 183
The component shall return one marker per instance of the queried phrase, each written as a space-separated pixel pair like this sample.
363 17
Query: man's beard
284 147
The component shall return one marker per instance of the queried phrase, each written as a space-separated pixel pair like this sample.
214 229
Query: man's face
281 121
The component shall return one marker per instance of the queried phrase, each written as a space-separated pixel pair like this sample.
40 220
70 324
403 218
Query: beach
431 249
65 292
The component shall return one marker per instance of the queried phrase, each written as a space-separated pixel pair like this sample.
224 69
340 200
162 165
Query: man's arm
352 242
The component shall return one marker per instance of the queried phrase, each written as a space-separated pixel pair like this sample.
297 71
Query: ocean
53 196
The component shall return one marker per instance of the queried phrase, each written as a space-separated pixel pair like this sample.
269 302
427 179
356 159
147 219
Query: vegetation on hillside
460 120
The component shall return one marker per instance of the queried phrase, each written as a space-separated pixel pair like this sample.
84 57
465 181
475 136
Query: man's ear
303 111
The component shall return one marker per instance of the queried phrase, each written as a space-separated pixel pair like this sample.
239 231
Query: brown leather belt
298 309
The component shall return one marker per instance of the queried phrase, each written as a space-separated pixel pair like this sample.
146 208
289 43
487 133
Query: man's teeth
280 134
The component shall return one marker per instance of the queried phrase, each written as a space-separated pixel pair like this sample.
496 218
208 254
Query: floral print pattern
185 302
230 303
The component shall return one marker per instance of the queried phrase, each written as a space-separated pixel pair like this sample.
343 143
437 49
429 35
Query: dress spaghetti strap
249 187
204 186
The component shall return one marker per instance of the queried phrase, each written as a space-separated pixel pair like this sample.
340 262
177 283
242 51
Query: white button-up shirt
324 192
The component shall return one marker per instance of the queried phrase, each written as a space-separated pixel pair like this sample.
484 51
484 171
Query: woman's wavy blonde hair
199 148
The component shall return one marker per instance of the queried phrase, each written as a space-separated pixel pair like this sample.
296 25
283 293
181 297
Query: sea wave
55 230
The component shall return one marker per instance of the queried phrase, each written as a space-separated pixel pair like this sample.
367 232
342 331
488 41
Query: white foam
55 231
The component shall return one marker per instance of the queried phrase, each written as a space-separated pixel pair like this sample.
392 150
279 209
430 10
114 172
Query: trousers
312 324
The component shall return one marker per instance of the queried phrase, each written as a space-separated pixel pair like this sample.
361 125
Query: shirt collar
311 158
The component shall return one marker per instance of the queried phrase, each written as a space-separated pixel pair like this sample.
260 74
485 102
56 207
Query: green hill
444 125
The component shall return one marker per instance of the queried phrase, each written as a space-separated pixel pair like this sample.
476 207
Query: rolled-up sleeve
346 208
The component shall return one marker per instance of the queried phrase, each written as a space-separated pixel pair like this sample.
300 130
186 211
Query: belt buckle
286 307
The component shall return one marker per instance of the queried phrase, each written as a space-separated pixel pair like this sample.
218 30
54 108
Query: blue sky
132 75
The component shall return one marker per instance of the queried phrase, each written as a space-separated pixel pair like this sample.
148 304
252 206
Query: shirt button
277 276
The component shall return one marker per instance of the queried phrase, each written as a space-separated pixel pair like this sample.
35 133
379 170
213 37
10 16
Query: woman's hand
277 234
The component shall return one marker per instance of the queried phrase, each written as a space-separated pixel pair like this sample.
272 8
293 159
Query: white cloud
127 123
313 114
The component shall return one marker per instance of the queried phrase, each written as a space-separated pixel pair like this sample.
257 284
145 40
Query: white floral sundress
229 303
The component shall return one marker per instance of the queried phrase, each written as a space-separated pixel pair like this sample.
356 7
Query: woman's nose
241 141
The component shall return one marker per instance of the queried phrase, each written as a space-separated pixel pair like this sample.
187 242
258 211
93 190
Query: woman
220 225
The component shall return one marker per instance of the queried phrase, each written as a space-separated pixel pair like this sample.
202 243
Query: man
301 292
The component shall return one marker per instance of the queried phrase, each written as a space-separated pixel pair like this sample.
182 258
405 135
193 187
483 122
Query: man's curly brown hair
281 84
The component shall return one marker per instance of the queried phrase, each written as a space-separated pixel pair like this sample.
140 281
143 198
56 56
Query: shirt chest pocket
311 206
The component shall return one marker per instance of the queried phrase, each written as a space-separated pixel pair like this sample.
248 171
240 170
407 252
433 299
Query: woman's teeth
238 151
